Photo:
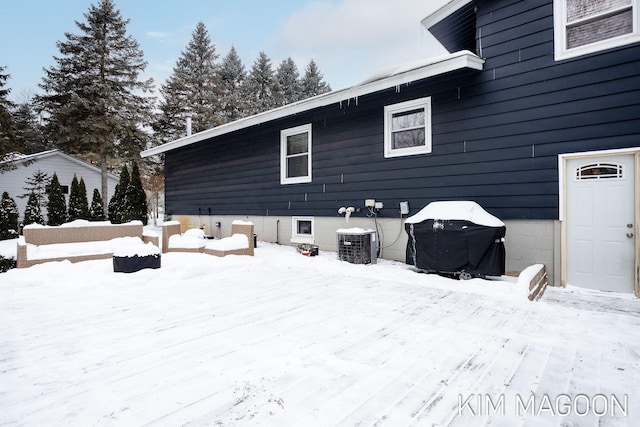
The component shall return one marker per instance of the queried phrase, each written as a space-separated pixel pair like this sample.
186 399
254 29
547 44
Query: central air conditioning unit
357 246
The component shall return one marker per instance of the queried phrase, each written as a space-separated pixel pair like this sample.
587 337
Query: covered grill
458 238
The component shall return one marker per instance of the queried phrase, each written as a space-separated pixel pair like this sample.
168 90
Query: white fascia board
30 157
55 152
443 12
422 70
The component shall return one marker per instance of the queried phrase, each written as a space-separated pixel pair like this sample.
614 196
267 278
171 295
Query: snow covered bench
239 243
78 241
193 240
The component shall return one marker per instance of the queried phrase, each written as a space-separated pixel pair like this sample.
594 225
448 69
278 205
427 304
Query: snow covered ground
281 339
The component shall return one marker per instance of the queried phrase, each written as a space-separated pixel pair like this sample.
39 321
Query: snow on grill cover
455 237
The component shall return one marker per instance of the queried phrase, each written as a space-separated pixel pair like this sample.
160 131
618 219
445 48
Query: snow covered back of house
281 339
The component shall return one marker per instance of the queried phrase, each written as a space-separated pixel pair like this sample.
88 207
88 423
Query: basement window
407 128
587 26
295 155
302 229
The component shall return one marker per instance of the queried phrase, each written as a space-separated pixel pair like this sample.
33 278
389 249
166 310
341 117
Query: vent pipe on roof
188 125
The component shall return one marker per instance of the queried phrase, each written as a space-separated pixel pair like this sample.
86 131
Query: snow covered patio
286 340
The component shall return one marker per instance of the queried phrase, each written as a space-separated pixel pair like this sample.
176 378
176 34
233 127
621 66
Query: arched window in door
599 171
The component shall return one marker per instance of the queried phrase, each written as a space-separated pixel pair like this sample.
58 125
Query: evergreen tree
72 209
8 217
96 212
113 207
7 131
29 135
313 81
136 198
289 81
37 184
261 86
117 205
78 204
84 201
57 204
93 96
232 78
32 212
192 90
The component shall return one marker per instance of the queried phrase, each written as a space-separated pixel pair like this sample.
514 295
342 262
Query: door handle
630 235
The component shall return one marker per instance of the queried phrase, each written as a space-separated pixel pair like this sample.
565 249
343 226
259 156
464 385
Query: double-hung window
295 155
407 128
586 26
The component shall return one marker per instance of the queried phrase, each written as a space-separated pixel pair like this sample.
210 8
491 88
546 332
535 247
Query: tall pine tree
93 95
192 90
232 96
8 217
57 204
261 86
29 135
289 81
7 131
313 81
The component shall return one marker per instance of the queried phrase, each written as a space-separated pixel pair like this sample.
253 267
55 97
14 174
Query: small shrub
6 264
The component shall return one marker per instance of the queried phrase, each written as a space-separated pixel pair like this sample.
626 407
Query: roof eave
55 152
452 62
443 12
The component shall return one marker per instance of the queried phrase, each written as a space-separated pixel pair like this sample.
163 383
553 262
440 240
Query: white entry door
600 222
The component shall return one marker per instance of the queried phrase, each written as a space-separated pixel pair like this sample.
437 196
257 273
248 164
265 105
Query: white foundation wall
527 242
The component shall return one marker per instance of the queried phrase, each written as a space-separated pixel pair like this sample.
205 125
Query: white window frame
283 154
390 110
560 34
301 238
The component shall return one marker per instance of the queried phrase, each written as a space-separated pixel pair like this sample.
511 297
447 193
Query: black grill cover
454 246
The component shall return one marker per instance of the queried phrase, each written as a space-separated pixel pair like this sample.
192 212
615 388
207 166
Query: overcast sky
348 39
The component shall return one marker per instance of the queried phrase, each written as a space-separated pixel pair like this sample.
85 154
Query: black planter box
131 264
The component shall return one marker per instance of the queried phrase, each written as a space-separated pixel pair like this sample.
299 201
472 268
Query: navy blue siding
496 134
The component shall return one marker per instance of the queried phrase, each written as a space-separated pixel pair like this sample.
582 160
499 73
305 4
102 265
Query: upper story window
586 26
295 155
407 128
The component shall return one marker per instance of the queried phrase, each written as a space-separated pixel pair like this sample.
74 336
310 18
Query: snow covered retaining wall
41 243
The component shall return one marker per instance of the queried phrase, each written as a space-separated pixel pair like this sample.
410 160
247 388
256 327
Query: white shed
64 165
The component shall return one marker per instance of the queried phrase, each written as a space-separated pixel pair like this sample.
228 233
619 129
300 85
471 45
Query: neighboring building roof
27 158
391 77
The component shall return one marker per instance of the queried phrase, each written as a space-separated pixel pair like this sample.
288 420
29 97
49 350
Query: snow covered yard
281 339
